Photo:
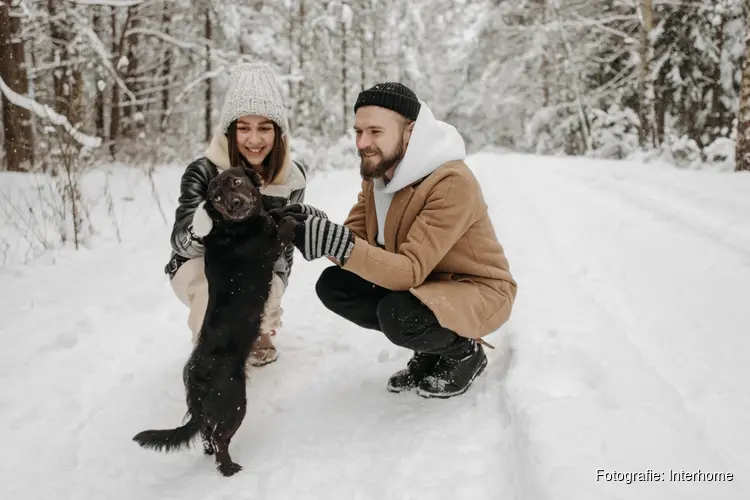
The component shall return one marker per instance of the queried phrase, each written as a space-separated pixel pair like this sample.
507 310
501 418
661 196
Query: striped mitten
316 237
301 208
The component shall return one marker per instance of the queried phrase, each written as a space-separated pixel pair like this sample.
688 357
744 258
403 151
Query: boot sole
446 395
396 390
264 362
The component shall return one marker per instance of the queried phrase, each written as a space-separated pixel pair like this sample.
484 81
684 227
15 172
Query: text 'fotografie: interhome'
672 475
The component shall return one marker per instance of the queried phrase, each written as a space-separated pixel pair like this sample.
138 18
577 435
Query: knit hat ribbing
254 90
391 95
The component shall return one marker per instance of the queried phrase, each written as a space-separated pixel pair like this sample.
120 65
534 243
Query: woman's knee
189 280
273 311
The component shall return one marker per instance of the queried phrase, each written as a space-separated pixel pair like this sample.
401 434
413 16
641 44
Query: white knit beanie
254 90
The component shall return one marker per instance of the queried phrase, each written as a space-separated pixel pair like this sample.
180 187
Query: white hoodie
432 144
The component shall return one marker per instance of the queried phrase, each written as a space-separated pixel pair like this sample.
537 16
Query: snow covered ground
627 351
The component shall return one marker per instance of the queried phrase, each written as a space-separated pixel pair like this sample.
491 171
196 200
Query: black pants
399 315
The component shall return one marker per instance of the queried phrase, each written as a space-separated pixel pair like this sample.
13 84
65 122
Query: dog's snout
235 202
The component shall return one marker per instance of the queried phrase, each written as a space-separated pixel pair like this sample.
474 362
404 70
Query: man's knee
328 284
396 313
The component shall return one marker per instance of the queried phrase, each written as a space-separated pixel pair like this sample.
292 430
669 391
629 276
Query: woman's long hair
272 164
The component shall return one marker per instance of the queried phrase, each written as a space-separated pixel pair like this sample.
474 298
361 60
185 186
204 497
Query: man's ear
408 131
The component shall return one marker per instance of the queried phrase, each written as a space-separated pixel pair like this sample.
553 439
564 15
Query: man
417 257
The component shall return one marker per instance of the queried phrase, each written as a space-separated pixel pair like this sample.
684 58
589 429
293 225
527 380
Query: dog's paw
288 223
287 228
202 223
229 469
276 214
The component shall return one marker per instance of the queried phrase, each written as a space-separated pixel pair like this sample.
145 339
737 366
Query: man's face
382 138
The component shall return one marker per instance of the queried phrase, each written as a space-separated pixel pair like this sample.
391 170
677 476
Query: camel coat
439 244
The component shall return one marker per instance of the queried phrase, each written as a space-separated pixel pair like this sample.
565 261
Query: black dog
241 249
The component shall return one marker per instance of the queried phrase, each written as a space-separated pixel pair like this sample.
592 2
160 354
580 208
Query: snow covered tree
577 77
17 131
742 155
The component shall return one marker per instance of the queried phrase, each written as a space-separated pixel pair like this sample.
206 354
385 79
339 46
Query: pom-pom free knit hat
391 95
254 90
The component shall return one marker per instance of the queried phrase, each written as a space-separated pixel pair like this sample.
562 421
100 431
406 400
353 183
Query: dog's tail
169 439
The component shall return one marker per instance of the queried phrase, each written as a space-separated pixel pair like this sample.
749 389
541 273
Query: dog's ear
254 177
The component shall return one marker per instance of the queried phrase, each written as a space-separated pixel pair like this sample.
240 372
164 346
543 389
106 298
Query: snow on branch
44 111
110 3
189 87
164 37
101 51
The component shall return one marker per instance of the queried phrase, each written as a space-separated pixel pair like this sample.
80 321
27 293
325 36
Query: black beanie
391 95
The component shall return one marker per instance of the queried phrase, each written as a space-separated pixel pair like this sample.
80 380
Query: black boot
453 375
418 366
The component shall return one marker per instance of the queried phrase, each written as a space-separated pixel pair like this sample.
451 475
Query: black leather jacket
193 190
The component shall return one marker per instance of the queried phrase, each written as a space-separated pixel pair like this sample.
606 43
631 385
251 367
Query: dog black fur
240 252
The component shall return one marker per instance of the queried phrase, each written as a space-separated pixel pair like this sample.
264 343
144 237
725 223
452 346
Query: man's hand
299 211
301 208
316 237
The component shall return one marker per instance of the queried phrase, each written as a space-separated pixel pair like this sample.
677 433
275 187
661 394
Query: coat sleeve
297 196
445 217
193 190
355 221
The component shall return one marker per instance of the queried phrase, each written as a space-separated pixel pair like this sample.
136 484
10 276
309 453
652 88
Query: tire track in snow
652 199
727 204
576 374
700 350
618 323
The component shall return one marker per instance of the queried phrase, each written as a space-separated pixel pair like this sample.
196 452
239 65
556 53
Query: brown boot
263 352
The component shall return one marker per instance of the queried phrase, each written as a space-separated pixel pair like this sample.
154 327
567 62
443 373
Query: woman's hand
201 224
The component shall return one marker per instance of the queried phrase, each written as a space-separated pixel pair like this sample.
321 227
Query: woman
253 131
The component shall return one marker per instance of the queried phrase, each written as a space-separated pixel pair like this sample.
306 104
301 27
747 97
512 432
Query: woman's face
255 135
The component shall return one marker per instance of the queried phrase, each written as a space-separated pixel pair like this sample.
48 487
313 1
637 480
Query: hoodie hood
433 143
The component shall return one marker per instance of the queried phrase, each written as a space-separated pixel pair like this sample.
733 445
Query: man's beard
369 171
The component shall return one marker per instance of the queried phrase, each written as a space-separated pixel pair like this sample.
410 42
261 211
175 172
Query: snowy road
627 351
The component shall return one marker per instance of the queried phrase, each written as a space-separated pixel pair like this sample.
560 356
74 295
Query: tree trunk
207 117
660 107
301 107
131 110
57 47
68 77
742 154
362 41
99 100
290 84
545 65
646 81
166 19
114 120
344 95
19 153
